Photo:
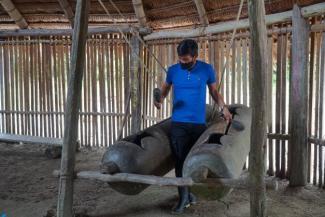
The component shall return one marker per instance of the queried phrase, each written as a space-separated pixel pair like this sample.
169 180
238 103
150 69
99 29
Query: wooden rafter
67 10
139 11
13 12
202 13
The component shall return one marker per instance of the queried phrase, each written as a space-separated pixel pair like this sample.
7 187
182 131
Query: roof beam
67 11
308 11
139 11
202 13
91 31
14 13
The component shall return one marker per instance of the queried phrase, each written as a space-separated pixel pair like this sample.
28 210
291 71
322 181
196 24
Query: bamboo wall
33 83
33 80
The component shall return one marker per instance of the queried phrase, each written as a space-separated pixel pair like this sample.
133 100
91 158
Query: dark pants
183 137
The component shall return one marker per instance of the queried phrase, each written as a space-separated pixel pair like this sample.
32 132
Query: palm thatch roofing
159 14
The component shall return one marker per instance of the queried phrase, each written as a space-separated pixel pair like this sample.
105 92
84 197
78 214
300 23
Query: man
189 78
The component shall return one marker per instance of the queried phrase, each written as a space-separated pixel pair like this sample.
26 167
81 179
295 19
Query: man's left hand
226 114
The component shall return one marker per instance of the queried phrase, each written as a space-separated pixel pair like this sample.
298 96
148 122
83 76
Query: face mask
187 66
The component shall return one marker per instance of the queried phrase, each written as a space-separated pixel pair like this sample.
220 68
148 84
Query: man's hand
219 100
157 104
226 114
161 94
157 97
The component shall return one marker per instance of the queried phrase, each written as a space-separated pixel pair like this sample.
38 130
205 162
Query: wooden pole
135 86
256 13
65 199
298 100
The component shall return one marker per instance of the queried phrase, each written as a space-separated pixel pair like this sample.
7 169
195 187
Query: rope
227 53
134 33
231 42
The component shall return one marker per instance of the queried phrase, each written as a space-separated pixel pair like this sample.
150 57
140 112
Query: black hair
187 46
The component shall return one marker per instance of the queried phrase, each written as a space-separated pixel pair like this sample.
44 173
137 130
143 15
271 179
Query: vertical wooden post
269 82
135 86
298 100
65 199
321 113
310 98
256 12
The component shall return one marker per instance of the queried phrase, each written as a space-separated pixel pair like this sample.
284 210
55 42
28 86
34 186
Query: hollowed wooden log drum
220 152
213 155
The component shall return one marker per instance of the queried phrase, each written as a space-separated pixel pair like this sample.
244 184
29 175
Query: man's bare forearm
218 98
164 91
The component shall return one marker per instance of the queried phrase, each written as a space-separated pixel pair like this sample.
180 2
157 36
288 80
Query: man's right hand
160 95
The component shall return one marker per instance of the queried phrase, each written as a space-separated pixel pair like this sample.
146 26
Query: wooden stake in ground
256 11
65 199
298 100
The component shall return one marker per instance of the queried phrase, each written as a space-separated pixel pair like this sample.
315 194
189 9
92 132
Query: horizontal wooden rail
316 141
320 27
67 41
59 113
30 139
278 136
57 32
311 139
150 118
145 117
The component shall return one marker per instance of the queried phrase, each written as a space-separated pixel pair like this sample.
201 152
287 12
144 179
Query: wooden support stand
240 183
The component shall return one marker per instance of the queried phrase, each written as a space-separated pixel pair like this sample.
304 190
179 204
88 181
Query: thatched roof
159 14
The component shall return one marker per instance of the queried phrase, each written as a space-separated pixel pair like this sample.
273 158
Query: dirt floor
27 189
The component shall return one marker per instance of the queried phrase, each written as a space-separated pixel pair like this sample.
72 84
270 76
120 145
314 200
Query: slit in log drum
220 152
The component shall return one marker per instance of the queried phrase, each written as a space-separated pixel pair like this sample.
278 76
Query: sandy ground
27 189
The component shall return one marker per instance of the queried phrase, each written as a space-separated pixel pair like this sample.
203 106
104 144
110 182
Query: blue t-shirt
189 91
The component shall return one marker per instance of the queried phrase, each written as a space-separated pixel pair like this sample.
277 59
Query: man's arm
219 100
164 93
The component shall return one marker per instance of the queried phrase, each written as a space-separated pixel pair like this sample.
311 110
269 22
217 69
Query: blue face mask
187 66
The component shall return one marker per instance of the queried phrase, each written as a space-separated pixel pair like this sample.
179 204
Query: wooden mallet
157 94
